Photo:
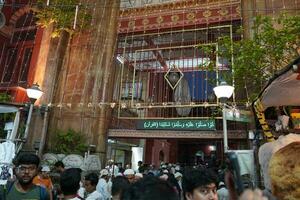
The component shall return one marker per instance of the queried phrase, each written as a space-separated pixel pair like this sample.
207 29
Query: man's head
26 168
59 166
150 188
90 182
104 173
110 162
128 166
178 176
119 184
129 174
140 163
69 181
138 176
200 184
45 171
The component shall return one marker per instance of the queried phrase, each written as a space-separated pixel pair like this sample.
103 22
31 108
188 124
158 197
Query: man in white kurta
102 186
94 196
112 168
90 182
223 193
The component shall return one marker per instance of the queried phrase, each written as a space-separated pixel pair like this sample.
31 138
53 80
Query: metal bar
121 80
14 140
28 121
182 30
194 42
136 118
75 17
232 67
217 69
27 128
44 132
225 137
156 53
175 47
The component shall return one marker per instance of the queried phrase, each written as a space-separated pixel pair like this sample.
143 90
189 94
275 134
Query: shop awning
284 88
4 108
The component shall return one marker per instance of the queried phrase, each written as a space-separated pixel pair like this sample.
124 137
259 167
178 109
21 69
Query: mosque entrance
155 147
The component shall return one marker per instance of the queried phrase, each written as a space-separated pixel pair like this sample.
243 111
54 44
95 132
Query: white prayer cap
221 183
119 174
164 166
139 175
172 170
129 172
177 174
104 172
45 169
164 177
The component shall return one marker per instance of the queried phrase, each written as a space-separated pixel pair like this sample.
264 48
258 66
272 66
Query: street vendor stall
277 157
282 90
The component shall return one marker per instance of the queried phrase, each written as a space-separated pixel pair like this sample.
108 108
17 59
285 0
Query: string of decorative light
93 48
131 47
91 6
85 49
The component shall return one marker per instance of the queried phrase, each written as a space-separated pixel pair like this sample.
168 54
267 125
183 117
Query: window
25 64
18 52
10 63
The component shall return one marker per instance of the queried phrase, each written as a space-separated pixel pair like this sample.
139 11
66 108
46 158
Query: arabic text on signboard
176 124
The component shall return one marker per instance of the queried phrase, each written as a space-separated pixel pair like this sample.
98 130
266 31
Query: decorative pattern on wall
178 14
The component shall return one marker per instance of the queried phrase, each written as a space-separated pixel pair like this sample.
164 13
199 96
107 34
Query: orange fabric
47 183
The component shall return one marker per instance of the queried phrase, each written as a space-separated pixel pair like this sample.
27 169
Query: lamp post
33 93
224 92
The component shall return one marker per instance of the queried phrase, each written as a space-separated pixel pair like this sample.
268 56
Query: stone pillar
251 9
247 17
83 83
103 86
50 54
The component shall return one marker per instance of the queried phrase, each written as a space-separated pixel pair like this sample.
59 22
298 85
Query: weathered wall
77 74
250 9
85 79
45 70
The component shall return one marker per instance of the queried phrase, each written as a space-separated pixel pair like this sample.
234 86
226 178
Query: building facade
143 62
155 43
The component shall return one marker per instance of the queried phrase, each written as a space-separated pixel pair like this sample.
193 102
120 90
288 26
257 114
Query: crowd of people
168 182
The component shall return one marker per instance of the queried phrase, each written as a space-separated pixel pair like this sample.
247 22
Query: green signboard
180 124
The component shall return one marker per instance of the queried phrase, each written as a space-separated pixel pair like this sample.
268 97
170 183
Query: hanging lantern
173 77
